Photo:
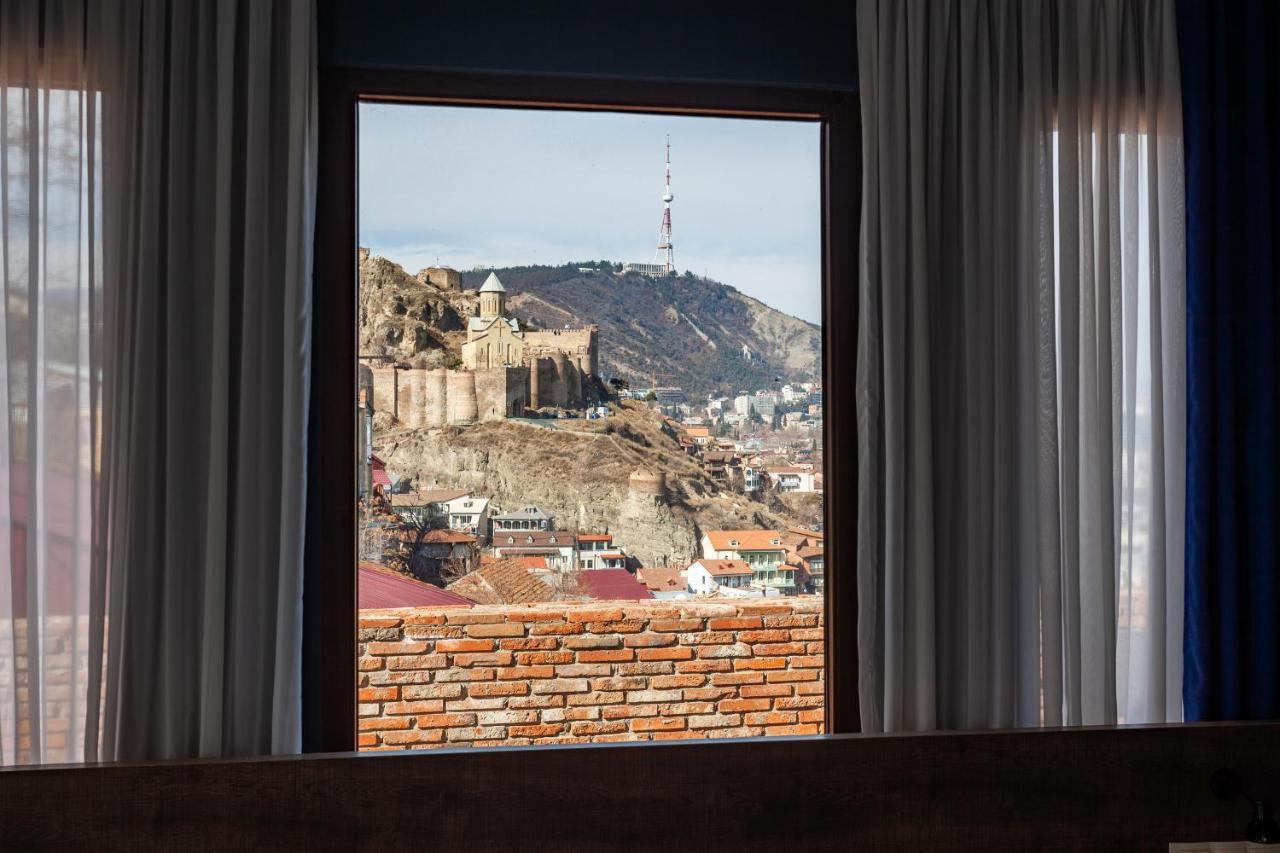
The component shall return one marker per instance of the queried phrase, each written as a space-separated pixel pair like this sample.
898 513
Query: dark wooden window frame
332 634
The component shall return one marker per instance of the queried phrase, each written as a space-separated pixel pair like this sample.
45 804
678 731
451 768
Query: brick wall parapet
583 672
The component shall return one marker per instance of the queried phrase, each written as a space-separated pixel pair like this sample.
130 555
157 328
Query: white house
707 576
597 551
558 547
790 479
468 514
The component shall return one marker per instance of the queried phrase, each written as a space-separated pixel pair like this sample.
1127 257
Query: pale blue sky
497 187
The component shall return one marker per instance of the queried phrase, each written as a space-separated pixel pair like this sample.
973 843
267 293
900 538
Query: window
531 233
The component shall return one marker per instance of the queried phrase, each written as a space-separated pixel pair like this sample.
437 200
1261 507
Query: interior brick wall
589 672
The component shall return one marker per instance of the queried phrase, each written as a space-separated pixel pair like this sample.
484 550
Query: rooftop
612 585
492 284
724 568
745 540
381 587
502 582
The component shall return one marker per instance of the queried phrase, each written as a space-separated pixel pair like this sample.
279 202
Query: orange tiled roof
745 540
502 582
723 568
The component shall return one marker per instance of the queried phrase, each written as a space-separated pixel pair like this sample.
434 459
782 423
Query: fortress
505 371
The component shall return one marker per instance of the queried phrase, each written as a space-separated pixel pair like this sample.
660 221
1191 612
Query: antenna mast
667 260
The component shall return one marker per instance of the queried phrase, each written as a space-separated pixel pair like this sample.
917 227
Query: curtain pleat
1019 161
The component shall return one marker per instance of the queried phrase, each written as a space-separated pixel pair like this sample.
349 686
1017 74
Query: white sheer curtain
1021 368
158 194
50 402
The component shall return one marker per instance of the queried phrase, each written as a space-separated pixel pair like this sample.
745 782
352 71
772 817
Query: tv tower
667 262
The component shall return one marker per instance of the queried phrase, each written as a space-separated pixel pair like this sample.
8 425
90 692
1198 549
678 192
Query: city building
762 550
556 546
525 518
707 576
468 513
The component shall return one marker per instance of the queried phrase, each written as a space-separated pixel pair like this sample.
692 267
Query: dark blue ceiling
798 43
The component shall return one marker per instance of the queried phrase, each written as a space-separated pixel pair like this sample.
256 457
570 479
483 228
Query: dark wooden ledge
1100 789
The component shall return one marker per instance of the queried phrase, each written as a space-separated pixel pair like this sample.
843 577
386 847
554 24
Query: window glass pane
590 407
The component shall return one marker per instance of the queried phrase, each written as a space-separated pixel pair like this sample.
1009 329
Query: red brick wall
589 672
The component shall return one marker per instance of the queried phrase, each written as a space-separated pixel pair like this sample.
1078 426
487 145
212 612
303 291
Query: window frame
330 586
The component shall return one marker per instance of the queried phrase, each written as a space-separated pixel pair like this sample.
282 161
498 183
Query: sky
470 186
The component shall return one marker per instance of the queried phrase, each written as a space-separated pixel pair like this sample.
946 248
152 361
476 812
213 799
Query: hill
684 330
687 330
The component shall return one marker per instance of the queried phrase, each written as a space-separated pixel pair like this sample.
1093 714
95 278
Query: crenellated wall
589 672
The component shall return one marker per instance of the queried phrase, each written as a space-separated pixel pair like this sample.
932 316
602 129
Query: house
812 562
664 582
525 518
791 479
425 506
707 576
468 514
763 550
450 546
557 546
590 547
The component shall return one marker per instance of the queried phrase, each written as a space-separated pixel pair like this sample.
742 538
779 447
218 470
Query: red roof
379 467
595 537
612 585
381 587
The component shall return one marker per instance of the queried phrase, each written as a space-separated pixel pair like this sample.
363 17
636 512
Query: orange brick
445 721
593 641
502 688
629 626
677 653
431 691
794 675
379 694
658 724
464 646
598 728
813 715
424 619
807 662
371 664
649 640
684 709
556 628
536 658
420 706
513 673
676 625
751 691
379 623
417 736
724 678
417 662
800 702
807 634
704 665
732 705
770 635
663 682
797 621
543 730
739 623
760 663
811 688
534 616
500 629
366 739
483 659
530 644
468 617
607 655
611 614
771 718
710 694
779 648
379 723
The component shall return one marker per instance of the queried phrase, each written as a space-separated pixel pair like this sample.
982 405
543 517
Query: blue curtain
1230 54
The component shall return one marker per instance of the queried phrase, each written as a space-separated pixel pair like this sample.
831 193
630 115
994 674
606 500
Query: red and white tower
666 259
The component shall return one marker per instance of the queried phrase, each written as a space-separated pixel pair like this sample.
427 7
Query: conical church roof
492 285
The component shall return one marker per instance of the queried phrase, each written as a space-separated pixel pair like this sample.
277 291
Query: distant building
664 582
708 576
558 547
597 551
525 518
792 479
469 514
762 550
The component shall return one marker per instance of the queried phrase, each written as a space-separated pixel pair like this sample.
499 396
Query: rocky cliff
579 470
